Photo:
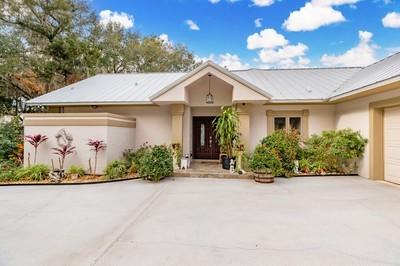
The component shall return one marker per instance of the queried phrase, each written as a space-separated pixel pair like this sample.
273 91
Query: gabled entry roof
285 85
222 71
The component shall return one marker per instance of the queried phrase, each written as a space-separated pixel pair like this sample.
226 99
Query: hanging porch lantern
209 96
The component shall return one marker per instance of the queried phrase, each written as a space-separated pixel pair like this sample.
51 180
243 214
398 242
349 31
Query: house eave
88 103
377 87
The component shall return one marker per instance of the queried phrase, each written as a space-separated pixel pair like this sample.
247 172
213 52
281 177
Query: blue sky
291 33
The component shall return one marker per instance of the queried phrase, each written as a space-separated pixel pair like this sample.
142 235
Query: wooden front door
205 144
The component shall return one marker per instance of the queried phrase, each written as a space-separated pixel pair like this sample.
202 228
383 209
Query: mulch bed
85 180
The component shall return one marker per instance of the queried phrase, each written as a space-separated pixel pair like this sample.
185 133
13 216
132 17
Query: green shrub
11 140
334 151
286 146
116 169
266 160
132 158
8 171
76 170
156 163
38 172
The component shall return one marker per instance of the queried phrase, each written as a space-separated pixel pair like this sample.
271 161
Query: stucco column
177 111
244 129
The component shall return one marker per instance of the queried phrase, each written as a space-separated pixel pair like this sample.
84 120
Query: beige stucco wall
81 134
153 123
321 117
355 115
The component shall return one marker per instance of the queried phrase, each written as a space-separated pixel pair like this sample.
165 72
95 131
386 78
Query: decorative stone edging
71 183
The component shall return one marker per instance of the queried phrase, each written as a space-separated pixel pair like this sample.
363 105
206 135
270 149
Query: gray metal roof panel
298 84
384 69
105 88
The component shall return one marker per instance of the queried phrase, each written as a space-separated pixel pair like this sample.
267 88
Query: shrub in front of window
334 151
265 160
286 145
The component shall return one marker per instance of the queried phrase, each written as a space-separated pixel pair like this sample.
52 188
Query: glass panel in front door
202 134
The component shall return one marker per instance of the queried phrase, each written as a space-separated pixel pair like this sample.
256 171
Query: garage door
392 144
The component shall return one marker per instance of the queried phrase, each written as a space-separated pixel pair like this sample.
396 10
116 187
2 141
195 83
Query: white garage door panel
392 144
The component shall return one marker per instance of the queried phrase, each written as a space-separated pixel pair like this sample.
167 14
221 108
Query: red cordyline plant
96 146
63 151
35 140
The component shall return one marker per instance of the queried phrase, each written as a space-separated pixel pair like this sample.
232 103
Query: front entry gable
243 91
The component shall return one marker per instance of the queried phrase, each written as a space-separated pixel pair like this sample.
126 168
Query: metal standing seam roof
110 88
384 69
298 84
283 84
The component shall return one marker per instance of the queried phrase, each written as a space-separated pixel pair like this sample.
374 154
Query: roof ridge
135 73
301 68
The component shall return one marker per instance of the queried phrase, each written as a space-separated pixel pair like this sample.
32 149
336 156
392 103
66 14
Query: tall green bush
156 162
286 146
11 139
334 151
132 157
266 160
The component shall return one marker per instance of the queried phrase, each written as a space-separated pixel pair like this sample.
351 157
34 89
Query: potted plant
265 164
226 129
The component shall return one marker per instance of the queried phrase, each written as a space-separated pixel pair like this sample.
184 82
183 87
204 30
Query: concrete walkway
182 221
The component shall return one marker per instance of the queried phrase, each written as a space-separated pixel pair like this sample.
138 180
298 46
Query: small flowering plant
96 146
63 151
35 140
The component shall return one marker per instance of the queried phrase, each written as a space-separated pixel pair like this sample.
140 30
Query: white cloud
262 3
258 22
361 55
391 20
232 62
227 60
267 38
283 54
165 39
107 16
276 51
192 25
315 14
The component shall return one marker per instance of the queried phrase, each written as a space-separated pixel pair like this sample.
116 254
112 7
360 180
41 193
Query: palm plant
96 146
226 129
63 151
35 140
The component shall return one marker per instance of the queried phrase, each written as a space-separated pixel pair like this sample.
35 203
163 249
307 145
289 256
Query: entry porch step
208 169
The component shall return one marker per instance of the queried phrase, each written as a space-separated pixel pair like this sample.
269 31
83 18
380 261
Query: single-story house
128 110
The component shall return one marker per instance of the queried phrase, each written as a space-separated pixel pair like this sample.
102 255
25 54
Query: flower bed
331 153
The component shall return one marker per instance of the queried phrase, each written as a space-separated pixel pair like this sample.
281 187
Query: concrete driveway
189 221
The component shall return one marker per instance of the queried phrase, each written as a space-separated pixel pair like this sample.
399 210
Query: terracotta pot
74 176
263 178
